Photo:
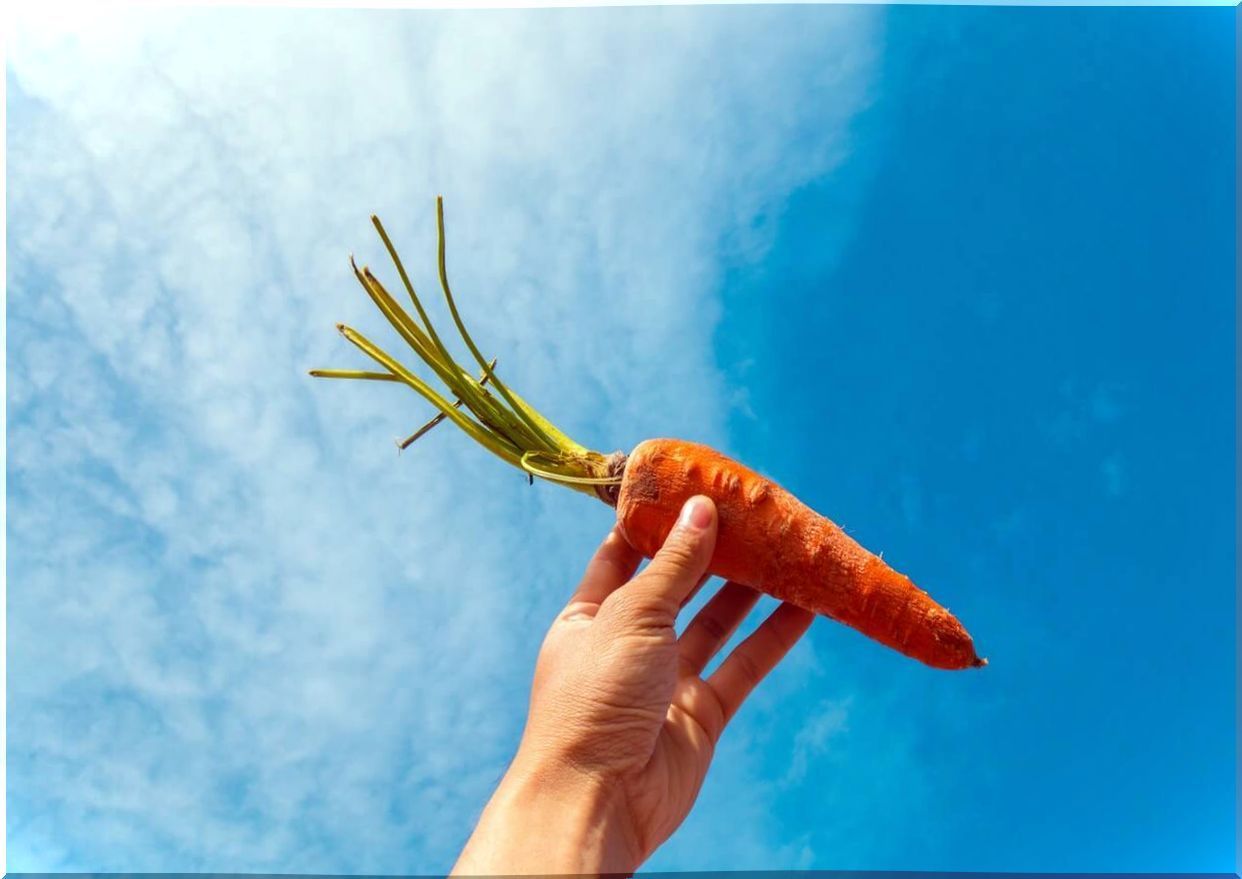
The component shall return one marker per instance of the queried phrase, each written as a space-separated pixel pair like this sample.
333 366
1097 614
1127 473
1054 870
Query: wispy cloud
244 633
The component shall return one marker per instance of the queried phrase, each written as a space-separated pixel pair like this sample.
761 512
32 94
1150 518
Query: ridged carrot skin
772 542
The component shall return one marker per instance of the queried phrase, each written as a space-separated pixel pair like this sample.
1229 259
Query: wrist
548 817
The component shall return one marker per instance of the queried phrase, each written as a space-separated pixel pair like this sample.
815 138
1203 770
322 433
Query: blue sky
962 278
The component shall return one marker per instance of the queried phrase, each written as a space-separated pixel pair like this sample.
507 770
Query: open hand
622 725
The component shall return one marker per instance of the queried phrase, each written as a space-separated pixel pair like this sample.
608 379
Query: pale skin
622 724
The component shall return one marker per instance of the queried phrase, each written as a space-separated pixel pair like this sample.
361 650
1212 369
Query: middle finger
712 626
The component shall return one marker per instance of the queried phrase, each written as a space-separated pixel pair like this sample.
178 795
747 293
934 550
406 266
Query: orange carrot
772 542
767 538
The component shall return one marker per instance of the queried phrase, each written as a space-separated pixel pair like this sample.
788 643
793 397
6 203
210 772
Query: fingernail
696 514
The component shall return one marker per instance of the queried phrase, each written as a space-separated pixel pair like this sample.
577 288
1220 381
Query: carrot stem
450 373
356 374
422 431
531 422
507 426
488 439
567 480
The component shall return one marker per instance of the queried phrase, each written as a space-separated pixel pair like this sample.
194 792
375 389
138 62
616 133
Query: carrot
773 542
767 538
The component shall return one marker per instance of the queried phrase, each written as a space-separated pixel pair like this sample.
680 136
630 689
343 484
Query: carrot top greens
503 423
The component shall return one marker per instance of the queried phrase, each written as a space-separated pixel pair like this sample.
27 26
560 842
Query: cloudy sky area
962 278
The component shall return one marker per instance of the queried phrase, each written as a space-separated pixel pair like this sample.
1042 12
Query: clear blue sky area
962 278
1018 381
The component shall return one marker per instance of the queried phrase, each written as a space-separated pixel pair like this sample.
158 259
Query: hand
622 726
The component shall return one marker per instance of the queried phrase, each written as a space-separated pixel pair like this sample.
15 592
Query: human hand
622 726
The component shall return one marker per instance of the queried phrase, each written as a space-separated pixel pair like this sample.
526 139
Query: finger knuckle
748 669
788 627
713 629
632 612
785 638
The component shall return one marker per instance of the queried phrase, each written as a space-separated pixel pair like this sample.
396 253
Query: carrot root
771 541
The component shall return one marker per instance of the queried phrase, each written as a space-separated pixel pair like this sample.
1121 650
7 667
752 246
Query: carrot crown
503 423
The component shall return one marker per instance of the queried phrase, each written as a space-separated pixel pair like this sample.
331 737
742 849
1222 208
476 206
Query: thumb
682 561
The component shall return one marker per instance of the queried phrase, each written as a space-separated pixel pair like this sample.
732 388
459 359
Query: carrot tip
979 662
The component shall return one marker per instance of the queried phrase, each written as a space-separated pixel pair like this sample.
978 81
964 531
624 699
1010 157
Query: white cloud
815 736
245 634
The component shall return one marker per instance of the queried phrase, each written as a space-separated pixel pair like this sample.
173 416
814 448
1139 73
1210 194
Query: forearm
550 820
